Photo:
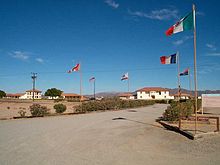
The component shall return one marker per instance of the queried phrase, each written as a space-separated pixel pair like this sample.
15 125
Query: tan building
126 96
70 96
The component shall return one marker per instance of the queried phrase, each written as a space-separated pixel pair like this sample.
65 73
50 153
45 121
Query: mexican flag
186 23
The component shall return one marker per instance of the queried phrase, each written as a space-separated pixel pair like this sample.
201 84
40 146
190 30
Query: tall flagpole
179 95
178 70
195 77
94 87
128 86
190 83
80 72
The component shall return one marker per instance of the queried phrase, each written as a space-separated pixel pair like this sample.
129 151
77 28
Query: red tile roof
182 94
148 89
14 94
34 90
69 94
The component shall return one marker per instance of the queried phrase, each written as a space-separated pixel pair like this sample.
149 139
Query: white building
27 95
153 93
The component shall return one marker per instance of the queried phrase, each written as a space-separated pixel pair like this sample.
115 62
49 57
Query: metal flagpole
190 83
80 72
128 86
195 77
179 95
94 88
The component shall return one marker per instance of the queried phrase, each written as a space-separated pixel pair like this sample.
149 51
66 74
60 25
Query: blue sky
109 38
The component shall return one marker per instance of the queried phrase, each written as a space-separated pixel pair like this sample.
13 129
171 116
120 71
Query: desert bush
183 109
111 104
8 107
22 113
37 110
60 108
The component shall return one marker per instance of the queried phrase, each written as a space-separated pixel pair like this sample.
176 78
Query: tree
53 92
2 94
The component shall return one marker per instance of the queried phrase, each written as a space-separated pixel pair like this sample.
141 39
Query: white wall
153 95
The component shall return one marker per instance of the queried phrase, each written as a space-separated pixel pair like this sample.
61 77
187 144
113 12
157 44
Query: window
159 92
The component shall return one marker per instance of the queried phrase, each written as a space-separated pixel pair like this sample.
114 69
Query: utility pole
34 76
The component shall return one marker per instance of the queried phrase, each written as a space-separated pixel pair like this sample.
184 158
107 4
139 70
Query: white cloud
40 60
211 46
112 3
181 41
214 54
199 13
20 55
162 14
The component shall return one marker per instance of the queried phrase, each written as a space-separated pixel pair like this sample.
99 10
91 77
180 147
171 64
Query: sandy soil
10 108
126 137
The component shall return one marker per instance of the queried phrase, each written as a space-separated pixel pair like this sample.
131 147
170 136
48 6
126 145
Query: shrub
37 110
110 104
22 113
60 108
183 109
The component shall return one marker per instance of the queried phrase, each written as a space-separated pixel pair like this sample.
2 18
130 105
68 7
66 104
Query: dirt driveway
126 137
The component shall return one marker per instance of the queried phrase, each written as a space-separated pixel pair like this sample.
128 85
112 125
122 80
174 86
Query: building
183 96
27 95
153 93
126 96
70 96
14 96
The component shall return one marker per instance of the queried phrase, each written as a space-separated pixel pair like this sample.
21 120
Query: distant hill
175 90
105 94
172 91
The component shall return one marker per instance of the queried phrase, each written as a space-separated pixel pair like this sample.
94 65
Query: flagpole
179 95
94 88
195 77
190 83
80 72
128 86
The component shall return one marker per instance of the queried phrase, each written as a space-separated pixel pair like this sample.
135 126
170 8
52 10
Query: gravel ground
10 108
126 137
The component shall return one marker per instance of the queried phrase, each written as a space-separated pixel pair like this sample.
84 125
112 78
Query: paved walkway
126 137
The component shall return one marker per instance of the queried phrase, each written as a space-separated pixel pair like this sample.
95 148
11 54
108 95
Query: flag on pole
185 72
186 23
74 69
92 79
124 77
168 59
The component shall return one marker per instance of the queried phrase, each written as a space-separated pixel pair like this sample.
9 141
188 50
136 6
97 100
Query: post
190 82
195 76
94 88
34 76
80 72
128 86
179 95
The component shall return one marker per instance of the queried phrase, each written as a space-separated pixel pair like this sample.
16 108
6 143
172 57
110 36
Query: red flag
76 68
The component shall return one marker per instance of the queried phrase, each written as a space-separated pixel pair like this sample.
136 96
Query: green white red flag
186 23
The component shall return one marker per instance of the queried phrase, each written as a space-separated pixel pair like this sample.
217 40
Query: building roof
14 94
182 94
148 89
31 90
69 94
125 95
